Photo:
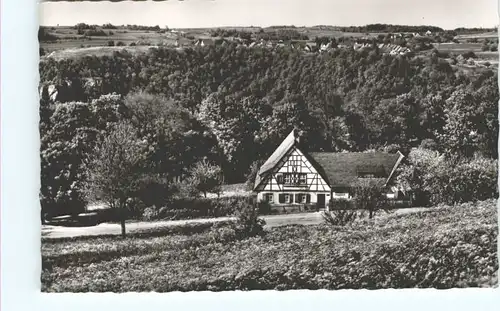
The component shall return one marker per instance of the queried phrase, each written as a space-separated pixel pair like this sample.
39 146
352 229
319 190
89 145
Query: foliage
252 174
471 123
175 138
232 95
205 177
115 168
340 213
435 179
391 28
248 223
192 208
369 195
69 132
233 105
45 36
441 248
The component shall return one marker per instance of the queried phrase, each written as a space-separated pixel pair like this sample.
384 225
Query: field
71 45
444 248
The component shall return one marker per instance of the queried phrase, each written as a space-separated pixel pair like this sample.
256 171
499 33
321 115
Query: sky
448 14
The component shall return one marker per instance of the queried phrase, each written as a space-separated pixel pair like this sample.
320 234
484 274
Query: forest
233 105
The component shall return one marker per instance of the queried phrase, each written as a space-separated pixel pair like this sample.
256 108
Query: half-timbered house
292 179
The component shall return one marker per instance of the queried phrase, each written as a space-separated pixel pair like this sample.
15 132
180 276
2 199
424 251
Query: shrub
150 213
222 233
341 213
111 43
120 43
469 54
190 208
339 217
248 223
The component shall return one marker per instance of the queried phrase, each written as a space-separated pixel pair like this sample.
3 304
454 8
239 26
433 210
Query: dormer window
370 171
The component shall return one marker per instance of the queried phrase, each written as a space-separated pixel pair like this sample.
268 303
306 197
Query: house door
321 200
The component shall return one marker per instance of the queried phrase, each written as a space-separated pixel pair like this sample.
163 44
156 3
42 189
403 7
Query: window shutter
282 198
308 198
297 198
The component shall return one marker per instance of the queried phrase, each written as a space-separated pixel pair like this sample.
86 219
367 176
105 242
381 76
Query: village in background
285 157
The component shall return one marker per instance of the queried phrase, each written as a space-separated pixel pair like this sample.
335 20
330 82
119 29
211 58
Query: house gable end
294 172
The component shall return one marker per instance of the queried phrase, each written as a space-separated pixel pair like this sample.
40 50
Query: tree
175 138
252 174
369 195
206 177
115 169
471 123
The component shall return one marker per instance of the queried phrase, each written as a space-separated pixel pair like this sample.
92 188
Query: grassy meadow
450 246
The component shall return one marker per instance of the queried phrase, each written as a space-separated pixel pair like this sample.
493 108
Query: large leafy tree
63 147
471 124
175 138
115 169
68 133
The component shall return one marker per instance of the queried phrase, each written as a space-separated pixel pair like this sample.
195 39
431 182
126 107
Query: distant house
325 46
204 42
291 177
428 33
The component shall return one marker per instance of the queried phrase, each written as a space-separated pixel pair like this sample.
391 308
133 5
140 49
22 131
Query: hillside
452 246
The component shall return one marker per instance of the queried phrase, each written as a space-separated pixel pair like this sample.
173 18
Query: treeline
45 36
463 30
390 28
273 33
235 105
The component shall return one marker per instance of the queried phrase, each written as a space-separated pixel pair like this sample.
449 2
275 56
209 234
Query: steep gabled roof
277 155
342 169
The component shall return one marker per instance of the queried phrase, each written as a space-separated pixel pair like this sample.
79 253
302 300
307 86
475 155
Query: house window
269 197
302 198
279 179
288 198
295 178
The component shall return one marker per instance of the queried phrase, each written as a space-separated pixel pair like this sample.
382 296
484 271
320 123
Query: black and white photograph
268 145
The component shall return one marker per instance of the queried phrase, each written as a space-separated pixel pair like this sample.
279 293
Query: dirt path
109 228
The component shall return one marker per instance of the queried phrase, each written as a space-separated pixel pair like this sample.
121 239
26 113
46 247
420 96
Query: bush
150 213
248 223
341 213
120 43
222 233
191 208
111 43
